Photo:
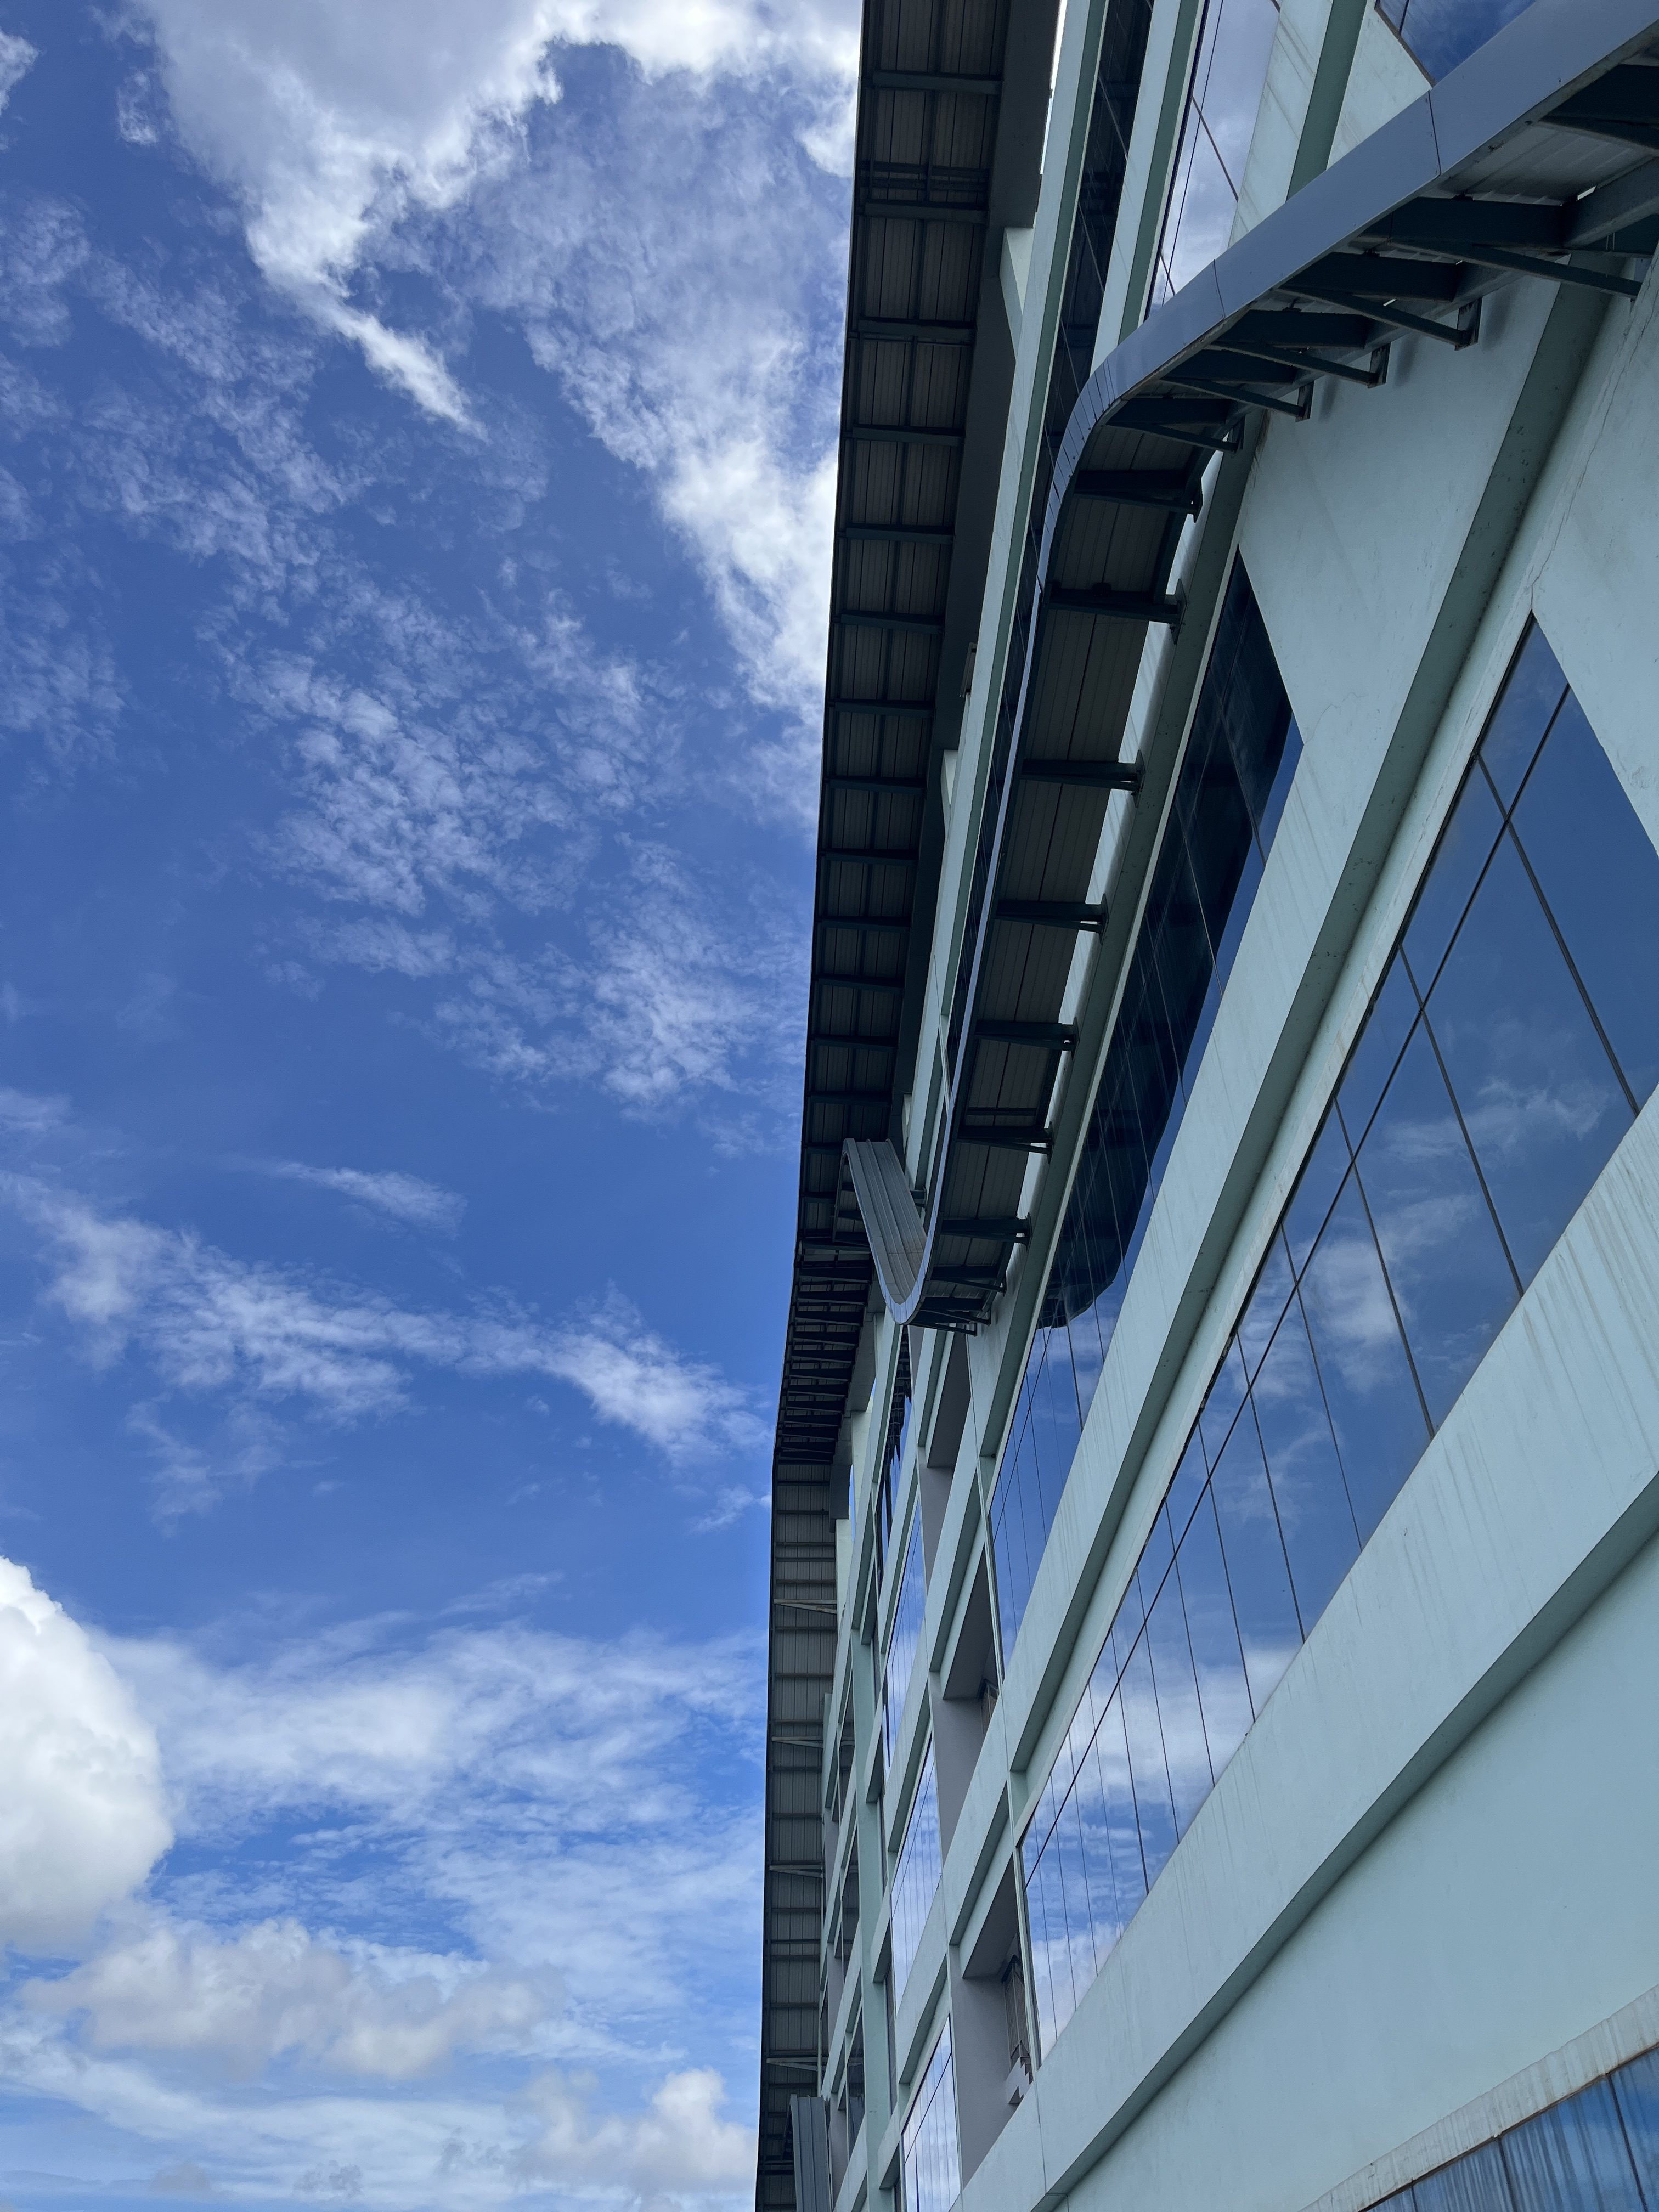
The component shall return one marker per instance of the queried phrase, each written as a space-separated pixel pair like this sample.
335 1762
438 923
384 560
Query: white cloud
211 1323
680 273
329 129
404 1197
680 2146
81 1817
574 1820
274 1990
17 58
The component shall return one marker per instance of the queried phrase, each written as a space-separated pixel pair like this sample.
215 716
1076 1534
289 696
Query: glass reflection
1451 1282
1229 70
1440 34
1240 757
1542 1105
1383 1284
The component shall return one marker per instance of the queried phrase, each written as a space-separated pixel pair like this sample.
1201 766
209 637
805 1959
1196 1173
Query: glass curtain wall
1513 1041
1111 119
1599 2148
916 1876
930 2161
1240 757
1229 70
1440 34
892 1458
902 1644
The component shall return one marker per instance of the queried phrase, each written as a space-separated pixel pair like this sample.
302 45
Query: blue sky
416 439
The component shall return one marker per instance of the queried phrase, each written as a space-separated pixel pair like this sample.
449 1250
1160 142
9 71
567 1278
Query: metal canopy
1538 148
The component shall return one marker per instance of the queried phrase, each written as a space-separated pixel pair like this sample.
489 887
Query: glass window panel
1261 734
1269 1629
1318 1184
1229 90
1370 1392
1201 211
1321 1541
1036 1916
1474 2184
1377 1048
1443 32
1190 1478
1267 1302
1154 1810
1156 1555
1223 1694
1464 849
1637 2088
1219 837
1542 1102
1185 962
1058 1949
1573 2155
1074 1885
1106 1914
1600 873
1530 696
1226 1397
1128 1863
1451 1282
1127 1621
1185 1750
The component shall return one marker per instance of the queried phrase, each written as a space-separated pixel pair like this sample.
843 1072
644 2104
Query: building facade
1213 1745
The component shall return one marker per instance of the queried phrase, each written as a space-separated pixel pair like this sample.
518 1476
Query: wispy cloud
209 1323
404 1197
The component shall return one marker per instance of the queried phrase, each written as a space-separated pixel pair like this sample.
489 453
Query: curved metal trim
1398 189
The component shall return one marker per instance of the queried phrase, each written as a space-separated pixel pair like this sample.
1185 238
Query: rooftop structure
1214 1577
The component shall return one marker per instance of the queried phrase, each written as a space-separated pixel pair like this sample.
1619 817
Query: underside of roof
1533 160
948 144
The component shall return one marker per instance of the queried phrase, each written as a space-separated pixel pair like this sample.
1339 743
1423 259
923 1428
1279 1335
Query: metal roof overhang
1539 148
948 144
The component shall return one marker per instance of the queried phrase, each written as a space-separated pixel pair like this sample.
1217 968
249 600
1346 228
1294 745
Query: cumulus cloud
403 1197
81 1815
275 1991
679 2146
209 1322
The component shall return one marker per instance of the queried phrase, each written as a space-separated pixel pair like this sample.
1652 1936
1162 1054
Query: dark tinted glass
1542 1103
1240 753
1597 866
